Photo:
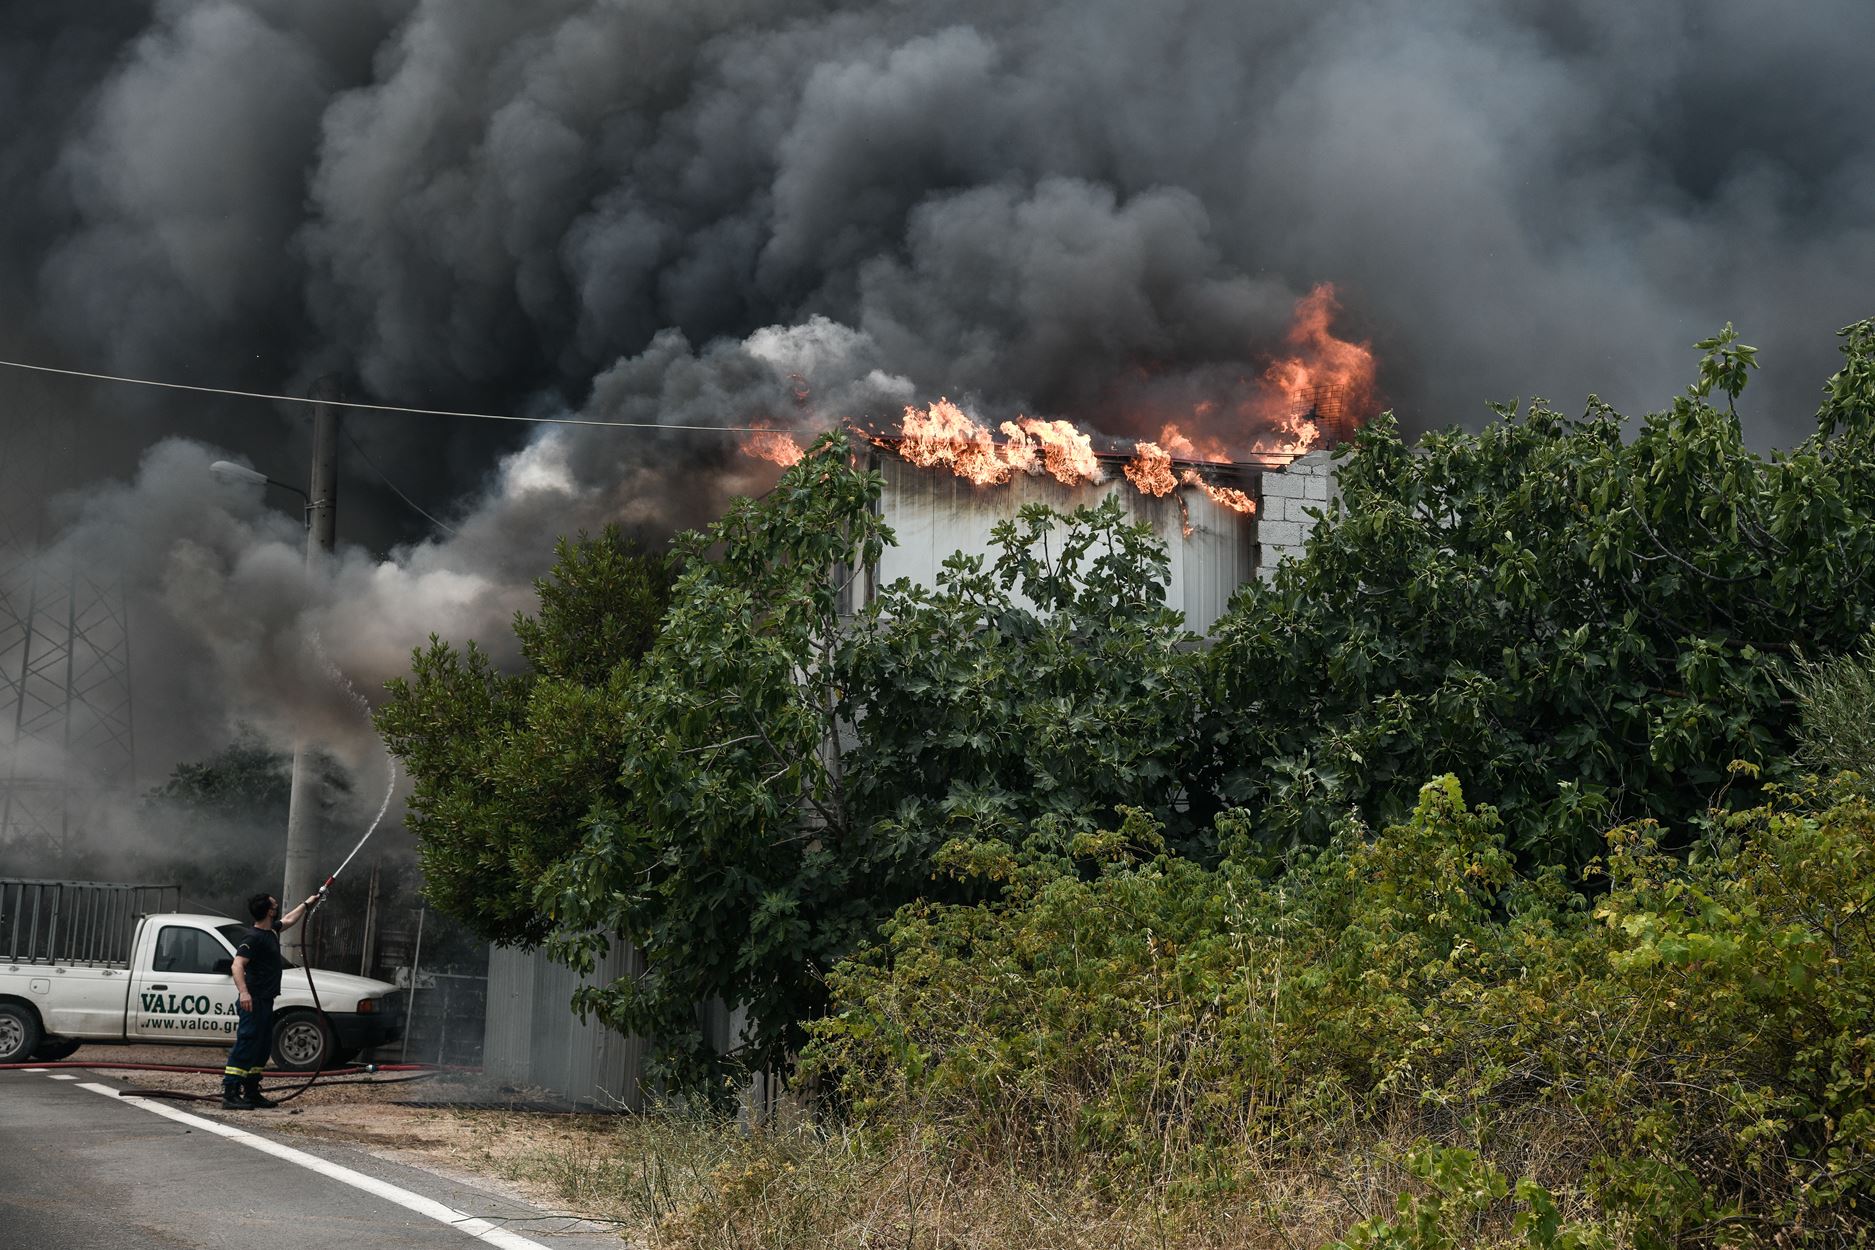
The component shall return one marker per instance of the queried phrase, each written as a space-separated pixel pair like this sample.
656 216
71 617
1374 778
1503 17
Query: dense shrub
505 766
1582 618
1837 730
1459 1194
1693 1050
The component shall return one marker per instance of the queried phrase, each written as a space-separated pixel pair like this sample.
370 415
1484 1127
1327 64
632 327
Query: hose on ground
359 1075
178 1095
200 1070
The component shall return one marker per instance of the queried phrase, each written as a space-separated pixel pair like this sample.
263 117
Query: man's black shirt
262 949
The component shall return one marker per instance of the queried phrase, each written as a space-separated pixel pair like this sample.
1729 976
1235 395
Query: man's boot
254 1097
234 1099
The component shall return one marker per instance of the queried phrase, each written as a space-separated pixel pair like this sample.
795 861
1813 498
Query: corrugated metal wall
935 513
533 1037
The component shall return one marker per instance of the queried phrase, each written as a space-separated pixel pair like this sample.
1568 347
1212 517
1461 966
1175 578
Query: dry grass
684 1183
676 1182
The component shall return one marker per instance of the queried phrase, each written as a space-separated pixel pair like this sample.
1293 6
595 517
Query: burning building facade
1227 480
1232 523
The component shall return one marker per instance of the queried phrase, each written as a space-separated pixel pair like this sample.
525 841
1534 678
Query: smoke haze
728 211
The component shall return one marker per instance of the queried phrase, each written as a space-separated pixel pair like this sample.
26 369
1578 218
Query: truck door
187 992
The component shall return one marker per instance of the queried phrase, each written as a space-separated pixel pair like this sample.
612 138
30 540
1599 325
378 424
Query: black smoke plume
691 214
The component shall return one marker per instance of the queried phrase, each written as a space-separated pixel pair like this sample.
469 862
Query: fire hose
193 1069
365 1074
312 987
325 1019
319 898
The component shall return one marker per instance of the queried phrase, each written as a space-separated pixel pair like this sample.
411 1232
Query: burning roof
944 436
1312 396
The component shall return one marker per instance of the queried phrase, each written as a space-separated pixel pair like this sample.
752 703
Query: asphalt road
81 1169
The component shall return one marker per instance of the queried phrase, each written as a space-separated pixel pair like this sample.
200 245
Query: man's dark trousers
253 1037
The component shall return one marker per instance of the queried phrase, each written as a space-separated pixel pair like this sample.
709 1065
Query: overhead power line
447 529
419 412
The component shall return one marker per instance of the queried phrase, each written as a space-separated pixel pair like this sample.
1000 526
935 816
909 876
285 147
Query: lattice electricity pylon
65 727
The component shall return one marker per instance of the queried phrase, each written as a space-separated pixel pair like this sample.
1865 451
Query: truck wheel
19 1032
302 1042
52 1052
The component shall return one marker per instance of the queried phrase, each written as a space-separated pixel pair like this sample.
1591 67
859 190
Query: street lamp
229 471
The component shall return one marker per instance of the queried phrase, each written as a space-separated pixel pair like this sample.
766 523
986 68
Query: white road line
483 1229
35 1069
61 1076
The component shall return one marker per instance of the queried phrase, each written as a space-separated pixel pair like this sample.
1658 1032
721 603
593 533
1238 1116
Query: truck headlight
366 1006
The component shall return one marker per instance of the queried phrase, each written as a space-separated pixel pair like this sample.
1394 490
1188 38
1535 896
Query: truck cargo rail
75 922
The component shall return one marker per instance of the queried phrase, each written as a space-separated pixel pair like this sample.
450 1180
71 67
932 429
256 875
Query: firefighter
257 967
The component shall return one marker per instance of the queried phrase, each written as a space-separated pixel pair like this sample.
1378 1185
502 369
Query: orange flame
1067 454
1182 446
776 446
1150 469
1324 385
943 434
1325 376
1227 496
1318 391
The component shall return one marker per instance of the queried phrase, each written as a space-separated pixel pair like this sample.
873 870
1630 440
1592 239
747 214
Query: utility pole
302 813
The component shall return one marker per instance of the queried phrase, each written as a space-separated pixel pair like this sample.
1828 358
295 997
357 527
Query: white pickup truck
85 962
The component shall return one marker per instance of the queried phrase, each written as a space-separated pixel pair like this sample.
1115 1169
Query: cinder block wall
1283 520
